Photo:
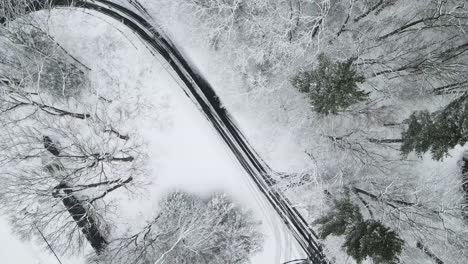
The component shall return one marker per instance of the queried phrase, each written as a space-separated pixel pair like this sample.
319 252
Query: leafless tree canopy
190 229
63 154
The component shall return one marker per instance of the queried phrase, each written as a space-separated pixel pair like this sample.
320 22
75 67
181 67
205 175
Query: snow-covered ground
185 152
15 251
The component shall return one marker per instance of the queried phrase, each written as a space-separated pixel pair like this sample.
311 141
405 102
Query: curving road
202 94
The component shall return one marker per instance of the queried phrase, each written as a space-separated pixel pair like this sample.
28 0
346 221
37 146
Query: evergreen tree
363 238
437 132
332 86
372 239
336 222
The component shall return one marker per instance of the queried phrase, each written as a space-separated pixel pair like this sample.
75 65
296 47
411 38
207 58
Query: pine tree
336 222
363 238
372 239
437 132
332 86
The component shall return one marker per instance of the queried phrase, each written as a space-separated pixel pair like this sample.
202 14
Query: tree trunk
85 221
465 187
385 140
429 253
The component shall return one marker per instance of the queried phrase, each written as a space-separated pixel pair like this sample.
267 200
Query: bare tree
191 229
64 156
68 172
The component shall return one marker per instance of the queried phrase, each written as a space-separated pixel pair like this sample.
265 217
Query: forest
360 107
370 95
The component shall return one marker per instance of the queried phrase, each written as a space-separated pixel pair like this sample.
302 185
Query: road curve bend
202 94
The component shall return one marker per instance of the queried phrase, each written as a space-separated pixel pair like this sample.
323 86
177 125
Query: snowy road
286 230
